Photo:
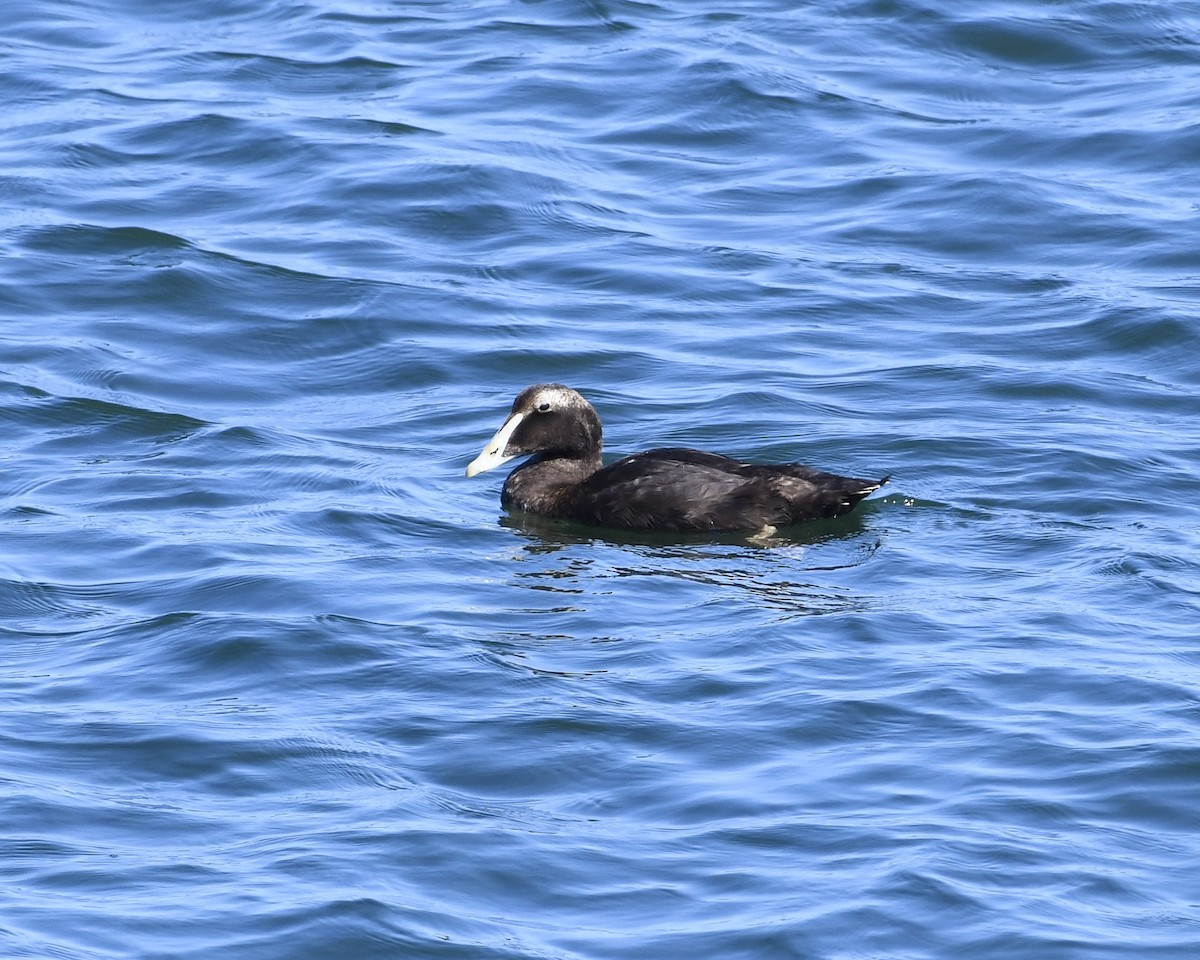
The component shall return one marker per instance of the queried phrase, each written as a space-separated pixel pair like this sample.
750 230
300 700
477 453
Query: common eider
669 489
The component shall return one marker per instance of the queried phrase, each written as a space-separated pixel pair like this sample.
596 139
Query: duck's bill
494 453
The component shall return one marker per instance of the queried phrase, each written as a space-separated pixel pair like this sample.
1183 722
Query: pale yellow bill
493 454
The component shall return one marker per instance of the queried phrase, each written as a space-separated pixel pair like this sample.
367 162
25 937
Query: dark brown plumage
672 488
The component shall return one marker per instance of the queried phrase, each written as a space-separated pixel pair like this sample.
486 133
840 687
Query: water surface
280 682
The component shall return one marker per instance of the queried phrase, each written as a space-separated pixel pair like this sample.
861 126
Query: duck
671 489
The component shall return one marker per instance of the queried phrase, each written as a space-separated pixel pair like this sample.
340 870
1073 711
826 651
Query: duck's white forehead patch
557 396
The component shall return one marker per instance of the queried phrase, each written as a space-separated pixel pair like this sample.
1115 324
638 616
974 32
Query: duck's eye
543 408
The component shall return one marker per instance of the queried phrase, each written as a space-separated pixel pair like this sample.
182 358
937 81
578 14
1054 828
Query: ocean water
279 682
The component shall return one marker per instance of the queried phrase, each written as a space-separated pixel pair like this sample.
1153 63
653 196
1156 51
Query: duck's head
546 418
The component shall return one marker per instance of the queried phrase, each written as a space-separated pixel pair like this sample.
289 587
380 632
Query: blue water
279 682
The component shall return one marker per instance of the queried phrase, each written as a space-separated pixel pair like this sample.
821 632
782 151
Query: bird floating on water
669 489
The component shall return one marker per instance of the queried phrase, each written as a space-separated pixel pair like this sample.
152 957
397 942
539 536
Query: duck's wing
680 489
666 489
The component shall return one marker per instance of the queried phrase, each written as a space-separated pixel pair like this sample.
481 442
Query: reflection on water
790 574
548 535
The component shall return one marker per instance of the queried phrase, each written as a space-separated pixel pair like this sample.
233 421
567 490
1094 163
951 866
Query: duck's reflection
788 572
545 535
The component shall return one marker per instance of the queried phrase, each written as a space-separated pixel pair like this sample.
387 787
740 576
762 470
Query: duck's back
680 489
